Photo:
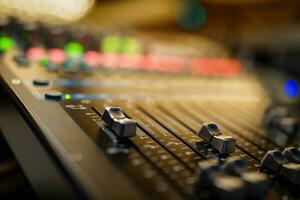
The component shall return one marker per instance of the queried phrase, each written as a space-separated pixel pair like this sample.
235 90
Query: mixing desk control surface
118 133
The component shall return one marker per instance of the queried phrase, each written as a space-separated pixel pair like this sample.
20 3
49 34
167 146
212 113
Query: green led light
6 43
130 46
44 61
73 49
68 96
111 44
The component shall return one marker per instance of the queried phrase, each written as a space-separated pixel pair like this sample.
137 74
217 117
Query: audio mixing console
109 125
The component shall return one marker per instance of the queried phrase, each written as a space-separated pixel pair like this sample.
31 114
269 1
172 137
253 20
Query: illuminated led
91 58
56 56
130 46
291 88
73 49
44 61
6 43
67 96
35 53
111 44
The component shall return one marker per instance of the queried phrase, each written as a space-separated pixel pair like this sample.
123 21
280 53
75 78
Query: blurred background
264 31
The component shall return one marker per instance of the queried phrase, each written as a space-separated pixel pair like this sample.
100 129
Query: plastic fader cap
118 122
274 160
292 154
208 131
211 134
224 144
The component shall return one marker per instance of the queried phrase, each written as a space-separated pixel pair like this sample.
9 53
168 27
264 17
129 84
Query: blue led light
290 88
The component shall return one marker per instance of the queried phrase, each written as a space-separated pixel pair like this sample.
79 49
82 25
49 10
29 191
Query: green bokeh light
68 96
6 43
111 44
73 49
44 61
130 46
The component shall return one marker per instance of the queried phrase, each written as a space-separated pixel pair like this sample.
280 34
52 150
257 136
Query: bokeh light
73 49
35 53
291 88
6 43
110 44
191 15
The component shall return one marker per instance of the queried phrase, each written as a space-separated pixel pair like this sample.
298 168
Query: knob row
286 163
230 180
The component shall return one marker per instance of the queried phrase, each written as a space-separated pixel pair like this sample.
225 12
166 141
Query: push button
224 144
208 131
118 122
292 154
40 82
54 95
274 160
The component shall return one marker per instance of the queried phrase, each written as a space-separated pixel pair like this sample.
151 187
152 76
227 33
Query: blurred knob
257 183
206 171
292 154
234 165
274 160
288 125
291 171
273 114
229 187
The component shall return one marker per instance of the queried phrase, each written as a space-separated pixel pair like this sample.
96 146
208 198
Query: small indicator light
68 96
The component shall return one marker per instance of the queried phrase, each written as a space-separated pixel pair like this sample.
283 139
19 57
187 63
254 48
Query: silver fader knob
291 171
273 160
224 144
115 119
257 183
292 154
208 131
